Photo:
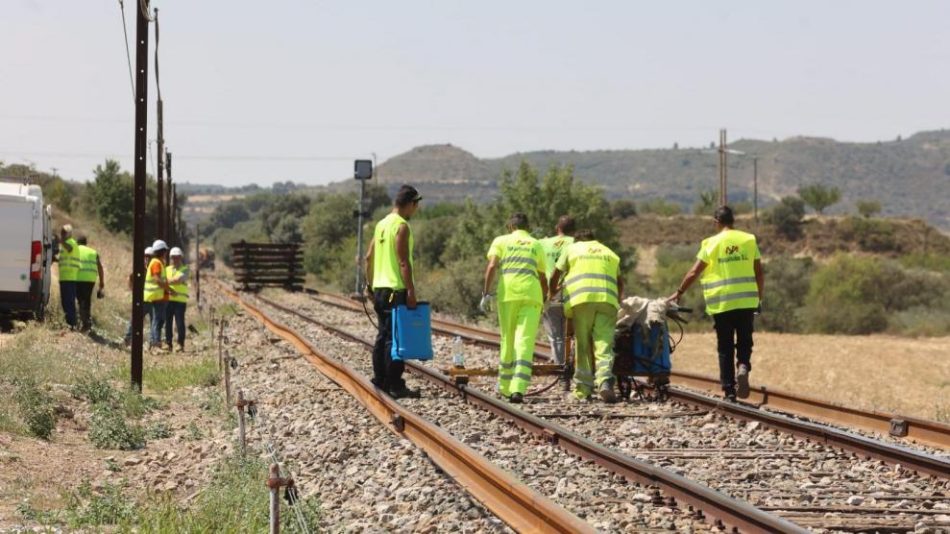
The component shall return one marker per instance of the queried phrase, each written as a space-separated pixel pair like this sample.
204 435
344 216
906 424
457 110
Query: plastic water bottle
458 352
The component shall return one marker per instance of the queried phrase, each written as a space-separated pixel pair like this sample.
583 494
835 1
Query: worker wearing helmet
591 278
177 276
731 268
522 286
146 306
157 291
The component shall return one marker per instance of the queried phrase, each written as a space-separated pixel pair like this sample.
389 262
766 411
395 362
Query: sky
296 90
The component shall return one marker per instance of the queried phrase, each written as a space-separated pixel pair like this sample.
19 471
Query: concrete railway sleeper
800 468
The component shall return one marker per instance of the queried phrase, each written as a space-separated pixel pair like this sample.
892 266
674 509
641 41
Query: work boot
405 393
181 347
516 398
730 394
607 393
742 380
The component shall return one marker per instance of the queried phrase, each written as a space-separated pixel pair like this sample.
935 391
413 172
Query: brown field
887 373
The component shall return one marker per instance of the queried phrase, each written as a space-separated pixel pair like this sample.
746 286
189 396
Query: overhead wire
128 53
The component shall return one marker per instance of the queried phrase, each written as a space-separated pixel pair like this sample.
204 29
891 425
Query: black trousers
734 343
84 296
387 373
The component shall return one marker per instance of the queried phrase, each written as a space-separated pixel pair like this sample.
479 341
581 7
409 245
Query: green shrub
87 508
158 430
868 208
819 197
787 216
456 289
36 408
871 235
787 283
94 389
109 430
927 260
920 321
659 206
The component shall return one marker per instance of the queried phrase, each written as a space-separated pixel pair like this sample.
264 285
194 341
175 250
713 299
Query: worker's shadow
98 338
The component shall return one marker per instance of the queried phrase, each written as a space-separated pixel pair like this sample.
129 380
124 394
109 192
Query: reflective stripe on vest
518 255
88 264
153 291
69 262
180 288
386 273
729 277
592 274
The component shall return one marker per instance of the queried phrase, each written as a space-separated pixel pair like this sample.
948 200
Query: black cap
724 215
407 195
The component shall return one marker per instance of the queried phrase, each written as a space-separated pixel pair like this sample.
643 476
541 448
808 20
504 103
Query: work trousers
175 311
158 322
594 326
84 297
554 326
734 343
519 320
67 297
387 373
146 312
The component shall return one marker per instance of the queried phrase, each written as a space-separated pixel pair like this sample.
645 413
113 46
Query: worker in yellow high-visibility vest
592 282
553 317
90 270
177 276
156 292
731 268
522 286
68 259
390 282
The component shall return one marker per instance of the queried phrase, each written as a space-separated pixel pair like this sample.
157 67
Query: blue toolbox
412 332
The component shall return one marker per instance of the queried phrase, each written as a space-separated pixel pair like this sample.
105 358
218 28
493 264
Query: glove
487 303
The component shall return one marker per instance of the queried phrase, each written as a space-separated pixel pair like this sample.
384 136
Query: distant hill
910 177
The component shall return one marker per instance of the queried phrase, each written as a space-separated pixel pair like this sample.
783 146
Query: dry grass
891 374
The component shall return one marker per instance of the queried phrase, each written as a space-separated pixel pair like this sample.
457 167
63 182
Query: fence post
220 341
240 408
274 484
227 379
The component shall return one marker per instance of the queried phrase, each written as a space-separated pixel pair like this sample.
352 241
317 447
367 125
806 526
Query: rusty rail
511 500
911 459
709 504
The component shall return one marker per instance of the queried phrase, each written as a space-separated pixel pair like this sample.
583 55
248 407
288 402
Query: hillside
911 177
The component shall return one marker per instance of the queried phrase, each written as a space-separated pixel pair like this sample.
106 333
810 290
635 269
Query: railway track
688 504
838 491
911 429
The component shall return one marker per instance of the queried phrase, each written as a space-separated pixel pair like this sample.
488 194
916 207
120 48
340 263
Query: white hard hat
175 252
159 246
148 251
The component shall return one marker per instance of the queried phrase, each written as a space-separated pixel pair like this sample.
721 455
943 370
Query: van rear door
16 241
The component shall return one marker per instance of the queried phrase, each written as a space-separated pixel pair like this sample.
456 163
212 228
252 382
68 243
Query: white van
26 250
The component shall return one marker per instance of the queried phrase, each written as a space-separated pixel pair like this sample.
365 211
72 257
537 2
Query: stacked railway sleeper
812 484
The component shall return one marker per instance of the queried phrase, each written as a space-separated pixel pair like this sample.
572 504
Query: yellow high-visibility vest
88 264
591 270
69 262
153 291
386 272
729 277
180 288
520 257
553 246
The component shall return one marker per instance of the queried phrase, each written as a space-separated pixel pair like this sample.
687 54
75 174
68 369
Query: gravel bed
365 478
745 460
606 501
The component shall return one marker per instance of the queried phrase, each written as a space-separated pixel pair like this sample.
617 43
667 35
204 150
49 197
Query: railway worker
68 271
177 276
146 306
591 278
731 269
522 287
390 282
90 270
553 316
156 292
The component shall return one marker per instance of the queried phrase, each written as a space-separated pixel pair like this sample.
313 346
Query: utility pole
138 221
172 231
723 165
197 261
172 214
161 222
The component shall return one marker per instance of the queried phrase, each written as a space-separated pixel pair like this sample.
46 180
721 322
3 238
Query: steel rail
522 508
918 461
924 431
710 504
